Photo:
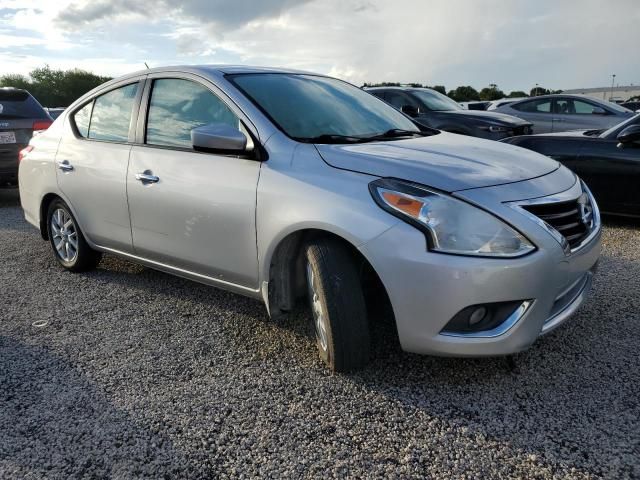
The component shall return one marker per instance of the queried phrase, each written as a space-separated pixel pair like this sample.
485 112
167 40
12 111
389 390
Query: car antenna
145 64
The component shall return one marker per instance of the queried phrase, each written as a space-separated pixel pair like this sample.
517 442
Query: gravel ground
138 374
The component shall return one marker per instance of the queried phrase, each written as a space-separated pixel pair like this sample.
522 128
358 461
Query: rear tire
70 248
337 305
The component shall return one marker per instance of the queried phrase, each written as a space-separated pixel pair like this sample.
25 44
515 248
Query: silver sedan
284 186
561 113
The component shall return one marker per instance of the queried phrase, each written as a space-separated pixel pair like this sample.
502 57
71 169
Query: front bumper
427 289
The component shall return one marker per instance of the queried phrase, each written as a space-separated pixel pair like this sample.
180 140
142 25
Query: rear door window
82 118
534 106
178 106
111 114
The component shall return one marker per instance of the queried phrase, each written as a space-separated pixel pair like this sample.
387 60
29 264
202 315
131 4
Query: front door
91 165
573 114
198 211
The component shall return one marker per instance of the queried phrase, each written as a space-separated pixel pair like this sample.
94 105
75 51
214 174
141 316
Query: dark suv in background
20 116
435 110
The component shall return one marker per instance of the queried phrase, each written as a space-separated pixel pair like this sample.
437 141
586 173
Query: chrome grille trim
578 194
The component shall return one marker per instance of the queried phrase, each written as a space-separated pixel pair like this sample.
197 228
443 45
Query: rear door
19 114
92 160
537 111
199 215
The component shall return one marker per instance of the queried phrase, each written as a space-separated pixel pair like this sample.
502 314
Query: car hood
483 116
444 161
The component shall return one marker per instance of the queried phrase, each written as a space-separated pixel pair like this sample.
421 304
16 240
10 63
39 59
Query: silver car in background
561 113
282 185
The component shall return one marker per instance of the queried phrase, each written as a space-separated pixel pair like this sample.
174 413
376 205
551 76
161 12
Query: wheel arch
286 276
44 207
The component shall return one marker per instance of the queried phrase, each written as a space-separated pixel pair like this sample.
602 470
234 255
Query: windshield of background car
307 106
18 104
616 108
621 126
435 101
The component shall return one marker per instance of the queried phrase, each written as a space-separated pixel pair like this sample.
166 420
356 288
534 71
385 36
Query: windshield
435 101
308 107
635 120
15 104
617 108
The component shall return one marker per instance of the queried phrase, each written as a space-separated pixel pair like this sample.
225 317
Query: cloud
222 14
514 44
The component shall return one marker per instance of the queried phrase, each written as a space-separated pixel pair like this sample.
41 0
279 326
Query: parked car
54 112
607 160
633 106
282 185
432 109
561 113
20 116
503 101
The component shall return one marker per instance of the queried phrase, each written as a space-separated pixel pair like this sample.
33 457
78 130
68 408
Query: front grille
573 219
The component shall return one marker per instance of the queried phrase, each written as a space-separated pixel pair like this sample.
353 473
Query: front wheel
67 241
337 305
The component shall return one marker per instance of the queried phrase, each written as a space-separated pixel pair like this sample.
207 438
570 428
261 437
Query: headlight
450 225
495 128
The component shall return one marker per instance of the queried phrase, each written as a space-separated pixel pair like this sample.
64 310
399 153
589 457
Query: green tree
439 88
55 88
492 92
464 94
517 94
535 91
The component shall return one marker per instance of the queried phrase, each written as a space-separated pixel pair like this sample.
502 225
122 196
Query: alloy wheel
65 235
319 317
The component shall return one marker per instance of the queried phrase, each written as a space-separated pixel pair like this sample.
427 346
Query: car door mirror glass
409 110
598 111
218 137
629 135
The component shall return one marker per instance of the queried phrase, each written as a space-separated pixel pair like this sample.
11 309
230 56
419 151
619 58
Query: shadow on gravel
55 423
572 397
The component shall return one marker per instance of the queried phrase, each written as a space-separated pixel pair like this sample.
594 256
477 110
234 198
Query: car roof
215 70
404 89
564 95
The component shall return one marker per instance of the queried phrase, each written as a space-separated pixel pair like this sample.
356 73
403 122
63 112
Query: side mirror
598 111
218 137
409 110
629 135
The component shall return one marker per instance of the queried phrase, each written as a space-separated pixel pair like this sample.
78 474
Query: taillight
23 152
41 125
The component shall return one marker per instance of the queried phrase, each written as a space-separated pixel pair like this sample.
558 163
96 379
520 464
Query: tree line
60 88
469 94
54 88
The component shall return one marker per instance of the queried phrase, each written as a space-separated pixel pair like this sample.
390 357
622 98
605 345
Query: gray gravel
138 374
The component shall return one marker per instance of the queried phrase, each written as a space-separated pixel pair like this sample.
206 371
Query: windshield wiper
335 138
396 133
330 138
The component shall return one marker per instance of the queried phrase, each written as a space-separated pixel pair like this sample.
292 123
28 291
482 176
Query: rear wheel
337 305
67 241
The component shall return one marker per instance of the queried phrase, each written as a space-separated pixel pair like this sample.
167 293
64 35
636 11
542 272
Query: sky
559 44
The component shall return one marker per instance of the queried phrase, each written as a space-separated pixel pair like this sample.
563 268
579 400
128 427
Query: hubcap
65 235
319 317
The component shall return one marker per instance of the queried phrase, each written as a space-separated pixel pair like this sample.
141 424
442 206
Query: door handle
147 177
557 119
65 166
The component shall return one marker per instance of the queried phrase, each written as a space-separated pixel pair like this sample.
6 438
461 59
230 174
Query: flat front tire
337 305
69 246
